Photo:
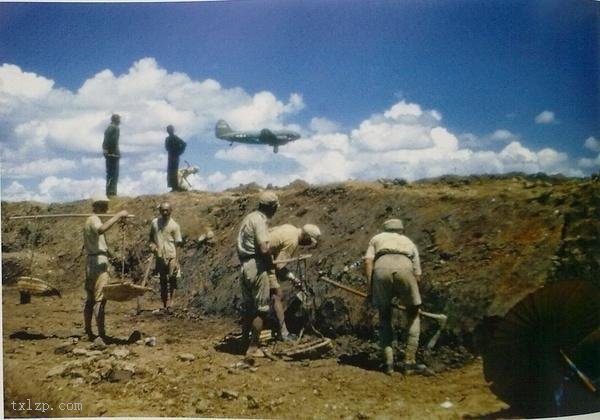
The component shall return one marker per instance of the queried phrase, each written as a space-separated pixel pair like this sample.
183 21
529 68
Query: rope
31 244
123 237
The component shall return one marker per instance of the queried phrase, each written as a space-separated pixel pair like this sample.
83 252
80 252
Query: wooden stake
59 215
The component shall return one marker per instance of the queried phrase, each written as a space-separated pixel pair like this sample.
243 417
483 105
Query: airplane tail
222 128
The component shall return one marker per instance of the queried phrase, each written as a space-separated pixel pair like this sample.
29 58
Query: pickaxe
440 318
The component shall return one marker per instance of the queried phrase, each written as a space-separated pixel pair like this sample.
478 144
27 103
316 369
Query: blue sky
496 86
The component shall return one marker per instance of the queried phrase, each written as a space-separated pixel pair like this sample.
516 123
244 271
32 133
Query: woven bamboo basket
36 287
123 291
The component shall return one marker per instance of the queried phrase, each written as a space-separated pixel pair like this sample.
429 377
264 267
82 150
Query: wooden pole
288 260
59 215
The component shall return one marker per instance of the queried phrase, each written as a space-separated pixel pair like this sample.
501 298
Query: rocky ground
486 242
184 375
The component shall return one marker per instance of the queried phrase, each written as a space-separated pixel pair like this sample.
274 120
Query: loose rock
202 406
120 353
56 371
64 348
119 375
446 404
77 373
252 403
228 394
98 344
186 357
80 352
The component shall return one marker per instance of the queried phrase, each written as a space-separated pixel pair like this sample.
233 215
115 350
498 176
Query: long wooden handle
586 381
288 260
440 317
58 215
147 271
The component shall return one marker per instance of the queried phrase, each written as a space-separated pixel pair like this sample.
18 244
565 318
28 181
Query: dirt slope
485 242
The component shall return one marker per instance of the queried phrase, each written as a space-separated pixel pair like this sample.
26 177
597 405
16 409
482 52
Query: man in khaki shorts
393 269
255 256
96 272
165 237
284 240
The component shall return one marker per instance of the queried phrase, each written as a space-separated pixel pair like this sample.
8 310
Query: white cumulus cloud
323 125
545 117
51 137
503 135
245 154
593 144
22 85
38 168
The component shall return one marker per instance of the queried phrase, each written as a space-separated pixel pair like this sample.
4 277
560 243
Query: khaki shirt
93 242
284 241
253 232
165 236
391 241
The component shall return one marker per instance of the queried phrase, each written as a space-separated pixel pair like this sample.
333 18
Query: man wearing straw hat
393 269
165 236
254 254
284 240
96 272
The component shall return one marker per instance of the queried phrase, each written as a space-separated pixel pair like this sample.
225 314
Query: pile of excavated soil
485 243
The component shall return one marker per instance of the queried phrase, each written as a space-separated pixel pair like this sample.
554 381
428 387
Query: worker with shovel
165 236
96 273
393 269
254 252
284 240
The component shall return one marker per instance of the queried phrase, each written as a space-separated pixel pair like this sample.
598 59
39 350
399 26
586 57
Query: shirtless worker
284 240
96 272
255 256
165 237
393 269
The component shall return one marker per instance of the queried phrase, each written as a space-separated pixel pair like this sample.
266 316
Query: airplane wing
267 136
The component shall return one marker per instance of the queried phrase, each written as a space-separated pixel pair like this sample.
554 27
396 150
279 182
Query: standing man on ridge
175 148
112 154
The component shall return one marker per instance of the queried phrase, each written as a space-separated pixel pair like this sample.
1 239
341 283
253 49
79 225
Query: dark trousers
112 175
172 168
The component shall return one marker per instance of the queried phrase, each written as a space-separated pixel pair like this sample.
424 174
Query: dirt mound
486 242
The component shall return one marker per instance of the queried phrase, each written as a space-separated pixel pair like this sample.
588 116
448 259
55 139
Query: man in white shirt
165 237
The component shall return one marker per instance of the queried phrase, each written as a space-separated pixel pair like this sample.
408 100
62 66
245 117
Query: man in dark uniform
175 148
110 148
